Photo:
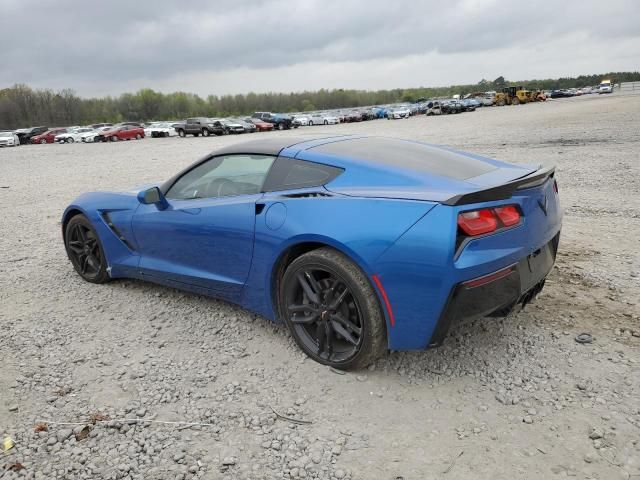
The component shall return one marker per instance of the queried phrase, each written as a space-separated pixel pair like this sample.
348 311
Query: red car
261 125
121 132
48 136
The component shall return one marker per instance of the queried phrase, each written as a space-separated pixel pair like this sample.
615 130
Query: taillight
508 215
487 220
477 222
555 186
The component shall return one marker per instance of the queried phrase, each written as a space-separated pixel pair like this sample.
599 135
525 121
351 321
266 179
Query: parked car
90 137
303 120
231 126
452 106
279 121
261 125
26 134
393 279
468 104
397 113
201 126
433 108
161 130
48 136
73 135
248 126
120 132
323 119
9 139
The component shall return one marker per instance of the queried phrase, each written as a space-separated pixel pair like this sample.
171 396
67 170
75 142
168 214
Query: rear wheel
332 311
326 122
85 250
515 101
43 141
205 132
182 133
70 140
138 136
113 139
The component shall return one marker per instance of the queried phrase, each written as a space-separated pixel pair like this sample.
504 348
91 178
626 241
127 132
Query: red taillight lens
508 215
555 186
487 220
477 222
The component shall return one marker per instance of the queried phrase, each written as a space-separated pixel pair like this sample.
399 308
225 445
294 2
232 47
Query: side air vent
114 229
308 195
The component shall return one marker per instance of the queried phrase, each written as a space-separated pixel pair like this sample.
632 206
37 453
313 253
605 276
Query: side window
223 176
289 174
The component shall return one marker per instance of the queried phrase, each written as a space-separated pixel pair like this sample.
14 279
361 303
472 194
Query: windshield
6 134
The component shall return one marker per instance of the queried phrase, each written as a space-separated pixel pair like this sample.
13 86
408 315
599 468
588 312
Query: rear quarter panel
362 229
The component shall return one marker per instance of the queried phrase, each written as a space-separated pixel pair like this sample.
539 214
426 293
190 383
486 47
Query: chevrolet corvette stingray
358 244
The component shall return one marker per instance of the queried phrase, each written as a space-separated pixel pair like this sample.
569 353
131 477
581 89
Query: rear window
409 155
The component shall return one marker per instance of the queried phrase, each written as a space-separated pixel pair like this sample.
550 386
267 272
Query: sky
239 46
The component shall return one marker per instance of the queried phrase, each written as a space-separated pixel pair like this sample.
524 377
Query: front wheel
205 132
138 136
85 250
114 139
70 140
326 122
332 310
43 141
182 133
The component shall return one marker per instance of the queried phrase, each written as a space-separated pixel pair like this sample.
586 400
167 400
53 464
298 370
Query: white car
9 139
89 137
161 130
303 120
398 112
323 119
73 135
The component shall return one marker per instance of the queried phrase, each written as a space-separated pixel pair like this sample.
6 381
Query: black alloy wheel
332 311
85 250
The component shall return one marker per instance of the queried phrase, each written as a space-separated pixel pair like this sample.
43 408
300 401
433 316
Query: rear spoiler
503 192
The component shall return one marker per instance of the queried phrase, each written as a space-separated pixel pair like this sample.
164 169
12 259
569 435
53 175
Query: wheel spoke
306 320
301 308
82 236
84 263
321 337
343 331
346 323
339 299
76 247
306 282
93 262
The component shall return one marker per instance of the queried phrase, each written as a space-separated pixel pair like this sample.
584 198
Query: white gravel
503 399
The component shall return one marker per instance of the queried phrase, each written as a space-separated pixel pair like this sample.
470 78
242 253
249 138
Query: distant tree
499 82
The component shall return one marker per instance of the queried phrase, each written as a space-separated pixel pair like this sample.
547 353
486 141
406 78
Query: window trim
273 182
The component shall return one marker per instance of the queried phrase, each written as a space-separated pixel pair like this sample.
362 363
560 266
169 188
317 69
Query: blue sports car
359 244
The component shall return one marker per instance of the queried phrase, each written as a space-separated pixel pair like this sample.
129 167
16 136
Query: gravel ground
513 398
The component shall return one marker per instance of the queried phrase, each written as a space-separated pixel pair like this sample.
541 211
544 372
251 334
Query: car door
204 238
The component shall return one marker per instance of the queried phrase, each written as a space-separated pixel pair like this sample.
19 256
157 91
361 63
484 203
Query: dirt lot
503 399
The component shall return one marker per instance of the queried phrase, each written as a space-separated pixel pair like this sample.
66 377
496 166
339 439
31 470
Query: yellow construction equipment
512 96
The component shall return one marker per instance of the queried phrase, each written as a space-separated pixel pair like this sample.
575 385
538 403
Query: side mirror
153 196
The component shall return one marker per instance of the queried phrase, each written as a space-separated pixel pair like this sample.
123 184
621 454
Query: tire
70 140
182 133
326 122
205 132
138 136
310 123
85 251
113 138
281 126
355 328
43 141
515 101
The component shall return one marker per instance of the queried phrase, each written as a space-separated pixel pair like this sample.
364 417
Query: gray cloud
109 47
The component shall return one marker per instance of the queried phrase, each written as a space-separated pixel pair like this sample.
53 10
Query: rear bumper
497 293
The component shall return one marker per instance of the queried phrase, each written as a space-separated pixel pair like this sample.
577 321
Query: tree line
23 106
